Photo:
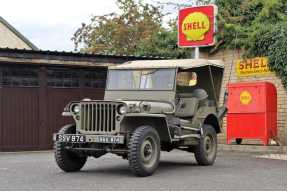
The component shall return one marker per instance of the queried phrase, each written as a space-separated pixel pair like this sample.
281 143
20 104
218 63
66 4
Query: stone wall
229 57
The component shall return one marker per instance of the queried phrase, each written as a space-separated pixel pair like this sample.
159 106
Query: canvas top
176 63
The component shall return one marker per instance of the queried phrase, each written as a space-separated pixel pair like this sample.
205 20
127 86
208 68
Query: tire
205 152
68 161
144 151
238 141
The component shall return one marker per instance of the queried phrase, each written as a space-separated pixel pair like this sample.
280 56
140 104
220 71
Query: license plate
71 138
109 139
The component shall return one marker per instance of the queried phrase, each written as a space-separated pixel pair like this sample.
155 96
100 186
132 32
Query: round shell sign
245 97
196 26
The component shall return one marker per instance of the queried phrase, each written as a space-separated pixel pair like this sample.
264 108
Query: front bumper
80 138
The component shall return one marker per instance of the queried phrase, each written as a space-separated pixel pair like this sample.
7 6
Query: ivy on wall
257 26
272 42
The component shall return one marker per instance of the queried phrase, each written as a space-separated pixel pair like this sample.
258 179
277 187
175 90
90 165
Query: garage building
36 85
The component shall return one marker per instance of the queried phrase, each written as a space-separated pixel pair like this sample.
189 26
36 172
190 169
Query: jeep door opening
149 106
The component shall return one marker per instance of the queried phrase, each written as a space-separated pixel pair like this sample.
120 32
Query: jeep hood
140 95
153 107
144 101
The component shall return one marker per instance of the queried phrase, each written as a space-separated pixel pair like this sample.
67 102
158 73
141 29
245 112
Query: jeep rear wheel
144 151
67 160
205 152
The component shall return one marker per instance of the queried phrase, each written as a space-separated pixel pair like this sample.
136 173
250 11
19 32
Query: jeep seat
186 107
189 102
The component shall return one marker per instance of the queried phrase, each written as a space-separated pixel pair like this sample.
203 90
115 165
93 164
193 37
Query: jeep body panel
158 121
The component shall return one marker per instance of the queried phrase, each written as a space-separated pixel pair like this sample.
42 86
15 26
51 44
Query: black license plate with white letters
71 138
109 139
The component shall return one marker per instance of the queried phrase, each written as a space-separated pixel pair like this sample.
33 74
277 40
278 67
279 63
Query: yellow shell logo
195 25
245 98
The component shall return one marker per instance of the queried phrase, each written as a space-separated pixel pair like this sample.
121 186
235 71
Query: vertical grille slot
98 117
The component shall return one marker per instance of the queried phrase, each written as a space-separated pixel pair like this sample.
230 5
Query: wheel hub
208 144
148 151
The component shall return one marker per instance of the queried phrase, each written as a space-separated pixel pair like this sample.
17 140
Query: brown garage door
19 108
31 107
20 119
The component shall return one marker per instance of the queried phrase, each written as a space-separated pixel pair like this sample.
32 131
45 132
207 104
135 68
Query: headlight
122 109
76 109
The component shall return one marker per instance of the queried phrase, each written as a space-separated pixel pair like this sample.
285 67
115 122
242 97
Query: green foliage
120 34
271 41
257 26
164 43
244 18
137 30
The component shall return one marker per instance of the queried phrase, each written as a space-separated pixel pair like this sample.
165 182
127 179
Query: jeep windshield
148 79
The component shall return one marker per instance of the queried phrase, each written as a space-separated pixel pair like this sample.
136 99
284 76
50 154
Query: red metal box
252 111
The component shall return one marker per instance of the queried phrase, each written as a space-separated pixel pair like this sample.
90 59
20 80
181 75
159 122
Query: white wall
10 40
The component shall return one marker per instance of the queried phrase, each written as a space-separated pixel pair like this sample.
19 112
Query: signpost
196 27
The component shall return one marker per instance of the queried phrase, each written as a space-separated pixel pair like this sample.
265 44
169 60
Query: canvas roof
176 63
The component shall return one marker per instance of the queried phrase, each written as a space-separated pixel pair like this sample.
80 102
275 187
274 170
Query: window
72 78
95 78
65 78
186 79
151 79
19 76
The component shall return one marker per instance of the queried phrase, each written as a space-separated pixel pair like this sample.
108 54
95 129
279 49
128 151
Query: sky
50 24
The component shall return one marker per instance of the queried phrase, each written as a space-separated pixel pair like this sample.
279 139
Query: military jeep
149 106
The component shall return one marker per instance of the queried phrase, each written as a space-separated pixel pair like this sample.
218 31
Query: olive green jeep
149 106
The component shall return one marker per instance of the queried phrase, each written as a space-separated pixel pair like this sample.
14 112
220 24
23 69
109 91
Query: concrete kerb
253 148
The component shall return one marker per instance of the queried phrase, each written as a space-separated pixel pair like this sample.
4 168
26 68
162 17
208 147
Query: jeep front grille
98 117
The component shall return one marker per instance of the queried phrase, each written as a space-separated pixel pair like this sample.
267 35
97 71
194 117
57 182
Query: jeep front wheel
67 160
205 152
144 151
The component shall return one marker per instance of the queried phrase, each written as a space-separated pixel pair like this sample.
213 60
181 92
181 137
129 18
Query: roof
40 57
18 34
179 63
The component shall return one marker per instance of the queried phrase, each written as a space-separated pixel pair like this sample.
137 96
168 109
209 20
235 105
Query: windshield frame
139 89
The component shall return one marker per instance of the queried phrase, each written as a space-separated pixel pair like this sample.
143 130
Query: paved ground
177 171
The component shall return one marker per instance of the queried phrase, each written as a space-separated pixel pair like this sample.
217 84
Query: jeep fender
212 120
208 117
157 121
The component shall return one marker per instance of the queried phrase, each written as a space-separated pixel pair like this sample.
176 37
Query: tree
240 20
257 26
137 30
120 34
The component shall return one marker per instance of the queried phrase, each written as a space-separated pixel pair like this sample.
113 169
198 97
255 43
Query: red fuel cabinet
252 111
